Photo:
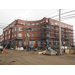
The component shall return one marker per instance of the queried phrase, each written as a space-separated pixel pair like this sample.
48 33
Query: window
15 28
12 36
57 28
68 27
20 28
71 28
9 31
65 26
38 29
32 29
37 23
42 35
5 37
28 29
32 23
46 20
42 26
35 35
12 25
35 29
20 22
47 26
15 34
19 34
38 35
48 35
52 23
63 36
9 37
55 23
62 25
6 33
23 23
32 35
28 23
12 30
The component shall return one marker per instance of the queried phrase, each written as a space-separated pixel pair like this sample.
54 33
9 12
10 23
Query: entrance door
31 43
39 43
20 43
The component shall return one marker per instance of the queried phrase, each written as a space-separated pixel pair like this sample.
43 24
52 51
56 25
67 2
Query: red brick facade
12 32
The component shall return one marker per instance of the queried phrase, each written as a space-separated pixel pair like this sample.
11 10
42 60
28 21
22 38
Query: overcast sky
9 15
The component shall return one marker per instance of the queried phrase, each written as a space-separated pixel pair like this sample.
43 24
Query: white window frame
9 31
37 23
33 24
20 22
20 29
6 33
35 29
32 35
28 24
65 26
35 35
56 23
62 25
47 21
12 30
9 37
15 28
32 29
23 23
19 34
38 35
38 28
12 36
52 23
71 27
15 34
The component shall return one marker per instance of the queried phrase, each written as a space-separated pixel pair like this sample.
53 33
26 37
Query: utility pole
60 30
26 36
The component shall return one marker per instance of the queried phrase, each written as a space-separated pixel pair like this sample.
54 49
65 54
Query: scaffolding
50 35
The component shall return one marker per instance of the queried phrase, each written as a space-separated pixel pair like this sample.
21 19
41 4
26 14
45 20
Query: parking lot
12 57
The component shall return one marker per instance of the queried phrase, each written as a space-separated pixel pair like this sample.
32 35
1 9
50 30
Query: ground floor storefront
22 43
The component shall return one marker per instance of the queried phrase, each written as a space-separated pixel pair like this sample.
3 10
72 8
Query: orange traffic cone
4 50
15 47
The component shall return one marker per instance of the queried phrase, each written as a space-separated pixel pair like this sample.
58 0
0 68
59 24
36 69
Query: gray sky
9 15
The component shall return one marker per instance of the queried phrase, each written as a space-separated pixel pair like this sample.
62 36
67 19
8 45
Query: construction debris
48 51
68 51
19 48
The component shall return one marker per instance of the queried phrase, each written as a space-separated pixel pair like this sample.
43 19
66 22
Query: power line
67 18
63 13
64 17
51 13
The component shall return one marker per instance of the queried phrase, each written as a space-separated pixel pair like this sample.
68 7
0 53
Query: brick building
45 30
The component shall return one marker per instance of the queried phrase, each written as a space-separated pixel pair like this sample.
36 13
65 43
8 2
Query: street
12 57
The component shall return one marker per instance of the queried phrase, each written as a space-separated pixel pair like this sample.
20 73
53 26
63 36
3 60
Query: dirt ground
12 57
